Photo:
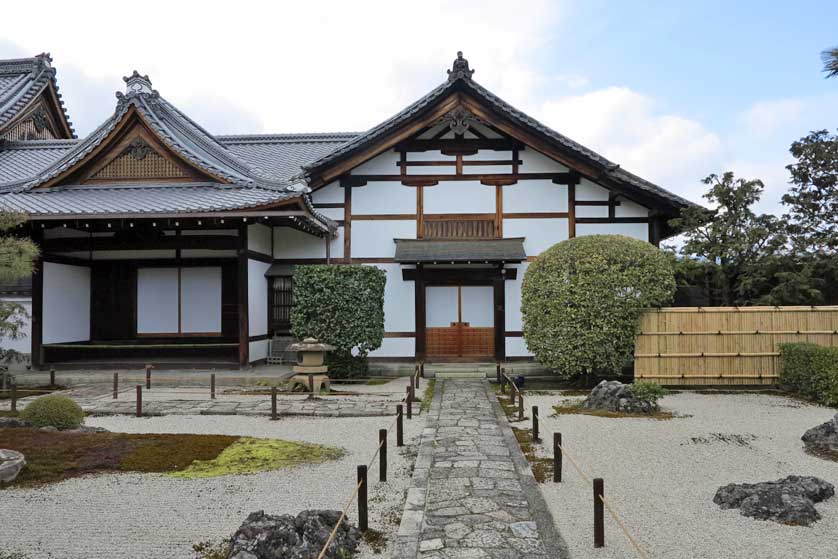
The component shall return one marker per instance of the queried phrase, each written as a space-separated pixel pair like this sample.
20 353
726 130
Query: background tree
830 62
581 300
731 237
16 262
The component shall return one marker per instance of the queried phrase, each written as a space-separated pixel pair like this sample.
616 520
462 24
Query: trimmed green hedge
53 411
581 301
811 371
342 306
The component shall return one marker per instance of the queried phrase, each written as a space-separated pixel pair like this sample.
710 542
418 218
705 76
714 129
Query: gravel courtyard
661 475
129 516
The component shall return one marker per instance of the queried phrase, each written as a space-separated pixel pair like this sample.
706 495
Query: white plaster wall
441 307
488 155
399 300
374 239
478 306
200 299
539 234
66 303
258 350
257 298
290 243
535 162
627 208
459 197
383 164
591 211
512 295
23 344
157 300
332 193
384 198
517 347
259 238
635 230
430 155
535 196
336 214
396 347
587 190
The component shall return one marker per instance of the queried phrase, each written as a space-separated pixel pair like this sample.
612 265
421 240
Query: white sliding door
157 301
200 300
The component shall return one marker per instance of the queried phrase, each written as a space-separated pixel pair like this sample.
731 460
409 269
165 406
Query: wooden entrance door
460 322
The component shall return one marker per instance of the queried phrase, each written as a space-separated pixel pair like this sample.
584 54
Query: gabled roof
22 81
460 82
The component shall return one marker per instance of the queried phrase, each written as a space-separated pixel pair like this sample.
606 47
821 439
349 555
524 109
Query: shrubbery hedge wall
342 306
582 298
811 371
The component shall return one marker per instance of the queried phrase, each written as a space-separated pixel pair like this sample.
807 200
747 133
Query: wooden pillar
419 312
571 210
241 279
37 352
655 226
500 316
347 224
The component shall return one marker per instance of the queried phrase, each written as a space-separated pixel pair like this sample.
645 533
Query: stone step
453 375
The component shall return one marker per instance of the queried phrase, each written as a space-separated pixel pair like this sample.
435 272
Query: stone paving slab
474 496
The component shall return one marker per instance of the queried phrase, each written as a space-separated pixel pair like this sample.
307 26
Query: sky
672 91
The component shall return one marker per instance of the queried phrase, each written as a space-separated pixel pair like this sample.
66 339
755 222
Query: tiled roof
21 81
22 160
139 199
444 251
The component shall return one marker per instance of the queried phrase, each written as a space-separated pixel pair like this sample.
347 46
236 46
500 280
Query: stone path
474 495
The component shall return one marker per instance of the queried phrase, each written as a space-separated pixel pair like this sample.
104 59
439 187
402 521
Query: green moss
542 466
56 411
579 410
428 395
211 550
166 453
376 540
249 456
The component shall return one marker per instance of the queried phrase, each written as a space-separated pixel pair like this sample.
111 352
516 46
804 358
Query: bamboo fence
722 346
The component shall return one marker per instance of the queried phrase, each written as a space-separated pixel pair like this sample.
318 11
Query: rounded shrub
53 411
581 301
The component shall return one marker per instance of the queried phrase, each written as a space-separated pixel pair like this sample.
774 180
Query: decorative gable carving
36 125
140 162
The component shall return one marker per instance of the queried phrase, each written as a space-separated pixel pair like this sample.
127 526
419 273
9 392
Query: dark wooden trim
499 297
498 211
69 260
655 227
352 181
259 338
459 276
171 242
374 260
464 217
242 287
266 258
509 182
461 146
420 210
167 262
326 205
597 203
384 217
558 178
419 310
461 163
536 215
37 319
613 220
399 334
571 210
417 182
514 334
347 223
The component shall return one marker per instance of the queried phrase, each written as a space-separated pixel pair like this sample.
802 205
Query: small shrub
811 371
53 411
648 391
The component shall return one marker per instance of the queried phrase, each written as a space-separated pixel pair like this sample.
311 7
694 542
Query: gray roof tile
22 160
444 251
21 81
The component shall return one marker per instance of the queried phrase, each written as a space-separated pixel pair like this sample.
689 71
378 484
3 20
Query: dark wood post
409 402
139 400
512 390
520 407
418 375
212 386
502 383
148 377
241 285
412 388
52 378
273 403
115 386
419 305
497 371
363 522
36 322
557 457
535 424
13 388
422 369
382 455
599 524
399 425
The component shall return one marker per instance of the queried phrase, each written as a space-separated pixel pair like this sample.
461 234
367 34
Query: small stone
524 529
11 462
431 545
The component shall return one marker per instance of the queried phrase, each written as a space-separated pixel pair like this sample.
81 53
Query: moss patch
27 391
376 540
562 409
8 413
428 395
248 456
542 466
211 550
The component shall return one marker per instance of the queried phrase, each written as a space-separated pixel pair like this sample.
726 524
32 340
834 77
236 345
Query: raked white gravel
661 476
150 516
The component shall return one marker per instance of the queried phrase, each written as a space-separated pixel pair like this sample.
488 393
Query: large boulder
824 436
790 500
11 463
266 536
615 396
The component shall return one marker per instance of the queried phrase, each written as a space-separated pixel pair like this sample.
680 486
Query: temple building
161 241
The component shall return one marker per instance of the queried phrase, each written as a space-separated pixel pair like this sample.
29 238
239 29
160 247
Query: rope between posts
623 527
340 520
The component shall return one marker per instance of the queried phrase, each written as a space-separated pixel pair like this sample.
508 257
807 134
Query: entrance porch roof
448 251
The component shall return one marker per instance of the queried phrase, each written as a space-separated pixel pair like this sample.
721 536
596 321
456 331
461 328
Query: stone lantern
311 369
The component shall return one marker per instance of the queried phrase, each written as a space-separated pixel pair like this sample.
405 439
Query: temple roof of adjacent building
22 80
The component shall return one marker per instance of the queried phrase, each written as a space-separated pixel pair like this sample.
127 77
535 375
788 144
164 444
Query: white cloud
627 127
765 117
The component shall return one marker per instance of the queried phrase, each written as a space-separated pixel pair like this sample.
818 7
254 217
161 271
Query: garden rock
265 536
790 500
13 422
615 396
824 436
11 462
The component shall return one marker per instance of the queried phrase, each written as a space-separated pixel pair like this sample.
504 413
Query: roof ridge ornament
460 69
136 84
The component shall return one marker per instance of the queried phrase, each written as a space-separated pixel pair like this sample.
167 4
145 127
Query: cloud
628 128
765 117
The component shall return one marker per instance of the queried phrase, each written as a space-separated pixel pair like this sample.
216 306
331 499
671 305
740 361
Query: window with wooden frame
280 303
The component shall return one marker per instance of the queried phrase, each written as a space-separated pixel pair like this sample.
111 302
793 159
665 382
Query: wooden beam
419 311
558 178
499 295
383 217
352 181
571 210
242 299
460 276
347 223
613 219
420 211
37 320
462 146
498 211
174 242
536 215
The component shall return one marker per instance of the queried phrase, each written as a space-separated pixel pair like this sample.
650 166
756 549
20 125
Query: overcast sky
672 91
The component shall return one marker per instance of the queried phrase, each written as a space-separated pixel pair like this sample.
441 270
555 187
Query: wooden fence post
382 455
115 386
212 386
535 437
363 522
139 400
148 377
52 378
520 407
557 457
13 387
273 403
399 425
599 524
409 402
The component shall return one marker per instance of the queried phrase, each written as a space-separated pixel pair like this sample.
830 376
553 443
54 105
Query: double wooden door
460 321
